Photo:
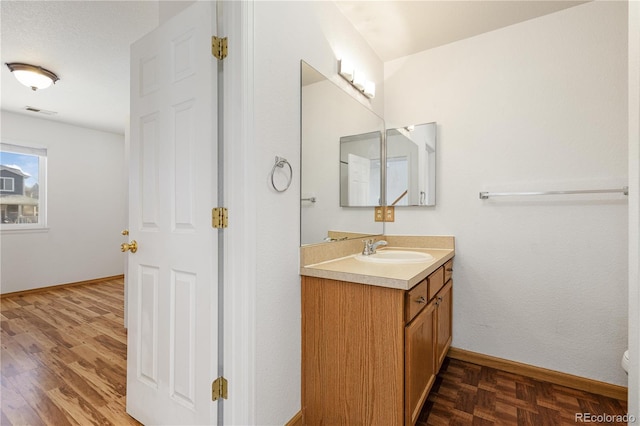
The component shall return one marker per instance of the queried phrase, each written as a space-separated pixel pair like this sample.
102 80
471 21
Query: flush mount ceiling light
32 76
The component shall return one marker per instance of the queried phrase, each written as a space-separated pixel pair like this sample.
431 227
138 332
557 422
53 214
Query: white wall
317 33
86 207
541 105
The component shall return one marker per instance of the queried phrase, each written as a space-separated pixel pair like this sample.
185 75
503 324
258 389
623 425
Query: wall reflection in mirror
411 165
328 115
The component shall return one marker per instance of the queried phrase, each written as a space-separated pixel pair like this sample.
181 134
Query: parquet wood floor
64 357
63 362
469 394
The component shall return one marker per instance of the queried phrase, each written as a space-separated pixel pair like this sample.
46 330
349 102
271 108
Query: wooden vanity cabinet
370 354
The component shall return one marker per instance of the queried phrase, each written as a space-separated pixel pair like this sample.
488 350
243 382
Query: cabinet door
443 320
419 362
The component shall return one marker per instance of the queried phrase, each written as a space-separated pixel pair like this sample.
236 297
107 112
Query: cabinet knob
449 269
439 298
421 299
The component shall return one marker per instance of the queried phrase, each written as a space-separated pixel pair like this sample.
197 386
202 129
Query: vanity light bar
356 78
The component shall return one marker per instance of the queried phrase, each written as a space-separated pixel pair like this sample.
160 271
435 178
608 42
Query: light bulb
346 69
369 89
359 80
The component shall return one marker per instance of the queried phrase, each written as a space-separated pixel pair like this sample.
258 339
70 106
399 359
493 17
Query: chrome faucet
370 247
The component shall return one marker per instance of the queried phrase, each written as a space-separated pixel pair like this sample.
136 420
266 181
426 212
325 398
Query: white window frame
3 187
41 153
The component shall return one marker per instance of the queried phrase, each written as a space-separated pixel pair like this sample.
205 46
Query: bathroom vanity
374 334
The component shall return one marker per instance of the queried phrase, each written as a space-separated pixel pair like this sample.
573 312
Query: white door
359 170
172 303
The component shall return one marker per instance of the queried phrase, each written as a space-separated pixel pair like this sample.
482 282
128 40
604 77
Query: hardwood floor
469 394
63 358
63 362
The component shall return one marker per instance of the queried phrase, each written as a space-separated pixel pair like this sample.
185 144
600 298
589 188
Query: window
22 186
6 184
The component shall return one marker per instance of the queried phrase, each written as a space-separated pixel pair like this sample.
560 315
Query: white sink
395 256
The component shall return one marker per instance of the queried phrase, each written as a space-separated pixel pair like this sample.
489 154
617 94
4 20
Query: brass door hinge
219 389
219 47
219 217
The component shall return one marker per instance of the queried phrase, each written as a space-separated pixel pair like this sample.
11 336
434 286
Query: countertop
402 276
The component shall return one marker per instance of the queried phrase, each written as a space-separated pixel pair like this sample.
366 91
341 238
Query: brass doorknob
133 246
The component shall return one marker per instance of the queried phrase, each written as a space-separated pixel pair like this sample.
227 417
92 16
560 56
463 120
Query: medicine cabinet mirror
411 165
332 118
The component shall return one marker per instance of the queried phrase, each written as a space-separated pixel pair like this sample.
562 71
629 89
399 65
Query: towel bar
486 195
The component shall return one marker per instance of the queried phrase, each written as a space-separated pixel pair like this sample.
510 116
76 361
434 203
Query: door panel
147 326
183 344
185 120
150 171
172 341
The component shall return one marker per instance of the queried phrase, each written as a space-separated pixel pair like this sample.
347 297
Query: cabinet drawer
448 270
436 281
415 299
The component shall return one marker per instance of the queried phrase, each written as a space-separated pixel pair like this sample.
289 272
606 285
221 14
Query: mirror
329 116
411 165
360 170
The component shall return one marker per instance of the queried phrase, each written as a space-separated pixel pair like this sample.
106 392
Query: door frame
634 207
239 358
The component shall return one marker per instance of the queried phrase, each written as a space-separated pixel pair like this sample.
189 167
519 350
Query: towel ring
280 162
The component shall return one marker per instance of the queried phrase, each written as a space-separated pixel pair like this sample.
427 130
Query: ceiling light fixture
32 76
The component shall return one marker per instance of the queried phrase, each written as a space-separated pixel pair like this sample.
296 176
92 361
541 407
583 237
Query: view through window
22 186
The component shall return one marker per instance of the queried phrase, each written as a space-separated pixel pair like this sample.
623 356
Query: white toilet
625 361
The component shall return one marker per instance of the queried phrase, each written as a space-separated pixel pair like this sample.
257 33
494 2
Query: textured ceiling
86 43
